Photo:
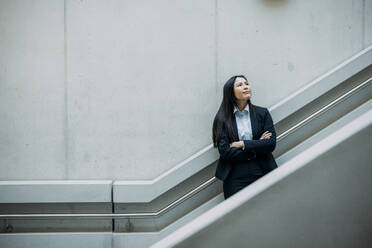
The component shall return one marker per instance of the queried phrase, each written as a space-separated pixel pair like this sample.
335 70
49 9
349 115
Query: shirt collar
245 109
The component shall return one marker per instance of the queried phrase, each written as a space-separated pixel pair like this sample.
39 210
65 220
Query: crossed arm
234 151
230 153
266 145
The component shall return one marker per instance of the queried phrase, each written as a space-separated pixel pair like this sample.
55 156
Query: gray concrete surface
118 239
56 240
32 114
283 45
128 89
320 198
55 191
367 22
148 190
141 78
146 239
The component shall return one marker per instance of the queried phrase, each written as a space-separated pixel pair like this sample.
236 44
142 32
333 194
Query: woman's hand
266 135
237 144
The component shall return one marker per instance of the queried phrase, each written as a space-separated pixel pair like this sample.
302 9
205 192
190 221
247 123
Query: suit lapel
254 124
235 126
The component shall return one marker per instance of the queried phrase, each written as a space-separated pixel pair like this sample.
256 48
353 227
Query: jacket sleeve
263 145
232 153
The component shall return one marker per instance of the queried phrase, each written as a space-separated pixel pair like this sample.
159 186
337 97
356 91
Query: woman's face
242 89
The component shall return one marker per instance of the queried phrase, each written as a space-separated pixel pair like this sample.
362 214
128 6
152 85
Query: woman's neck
241 105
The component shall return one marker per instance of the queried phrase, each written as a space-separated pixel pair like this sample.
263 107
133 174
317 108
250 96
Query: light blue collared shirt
243 121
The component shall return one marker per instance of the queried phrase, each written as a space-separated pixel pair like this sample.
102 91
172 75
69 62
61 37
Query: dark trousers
241 175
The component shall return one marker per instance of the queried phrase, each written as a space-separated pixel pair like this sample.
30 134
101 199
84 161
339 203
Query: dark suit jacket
261 150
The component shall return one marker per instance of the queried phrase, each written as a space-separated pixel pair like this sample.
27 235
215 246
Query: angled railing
325 187
202 186
148 190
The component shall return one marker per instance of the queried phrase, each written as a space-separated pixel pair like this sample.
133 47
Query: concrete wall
128 89
32 114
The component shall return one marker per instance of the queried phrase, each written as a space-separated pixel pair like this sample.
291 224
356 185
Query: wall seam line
66 132
363 24
216 48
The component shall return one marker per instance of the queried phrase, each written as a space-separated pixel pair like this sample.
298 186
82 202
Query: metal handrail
192 192
114 215
322 110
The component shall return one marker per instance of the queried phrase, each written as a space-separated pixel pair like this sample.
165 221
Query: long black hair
223 119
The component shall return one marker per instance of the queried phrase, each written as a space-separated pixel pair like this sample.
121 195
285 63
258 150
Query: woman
245 137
